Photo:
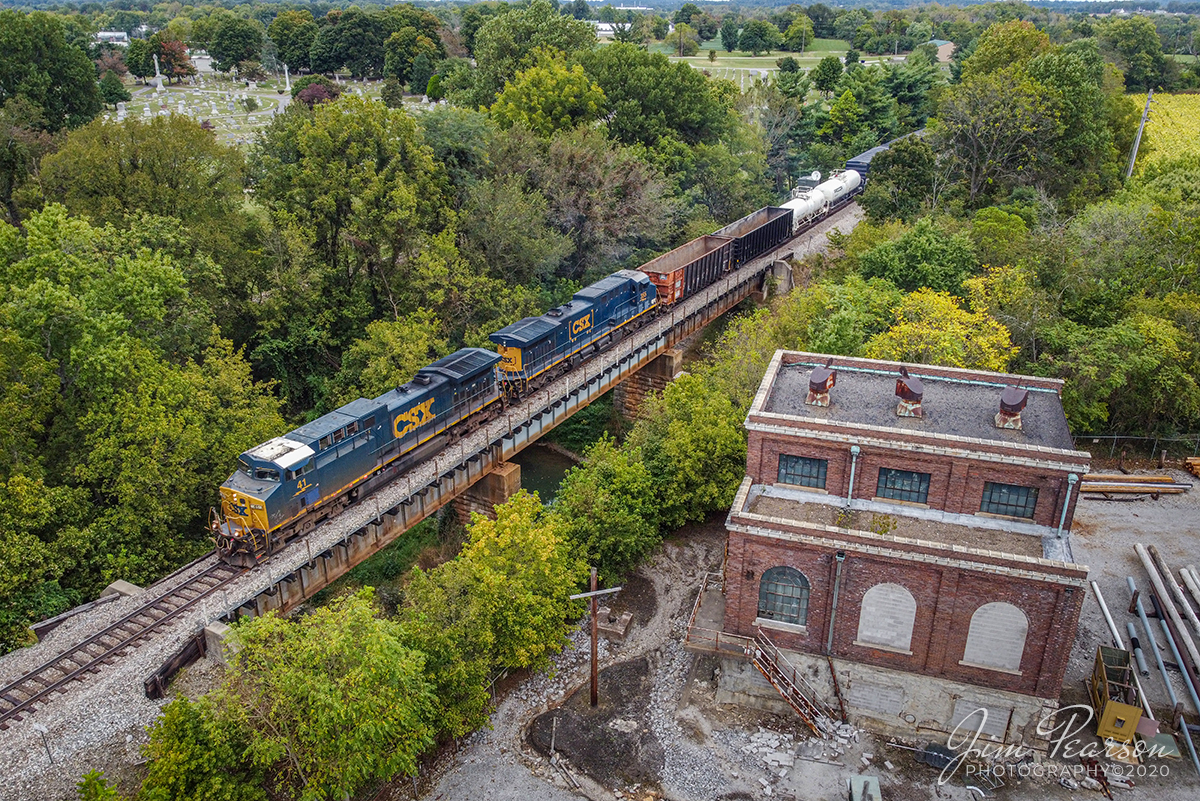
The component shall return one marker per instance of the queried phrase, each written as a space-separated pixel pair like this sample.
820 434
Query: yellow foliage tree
932 328
549 97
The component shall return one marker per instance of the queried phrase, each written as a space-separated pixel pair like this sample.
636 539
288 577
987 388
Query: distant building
119 38
911 531
945 49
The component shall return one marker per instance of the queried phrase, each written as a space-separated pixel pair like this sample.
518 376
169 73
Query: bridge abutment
654 377
493 489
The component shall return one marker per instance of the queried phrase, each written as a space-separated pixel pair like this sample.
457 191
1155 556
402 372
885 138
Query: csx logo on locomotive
581 325
414 418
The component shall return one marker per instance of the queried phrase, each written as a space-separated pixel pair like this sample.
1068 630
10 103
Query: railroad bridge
473 471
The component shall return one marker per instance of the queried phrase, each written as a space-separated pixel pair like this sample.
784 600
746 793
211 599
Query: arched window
783 596
886 617
996 638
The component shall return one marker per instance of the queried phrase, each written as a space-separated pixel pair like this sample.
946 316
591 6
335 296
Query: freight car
812 204
689 268
756 233
284 487
564 337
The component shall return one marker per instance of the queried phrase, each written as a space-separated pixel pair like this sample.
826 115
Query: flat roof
936 532
958 403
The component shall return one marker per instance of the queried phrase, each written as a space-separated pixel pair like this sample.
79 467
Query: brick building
915 529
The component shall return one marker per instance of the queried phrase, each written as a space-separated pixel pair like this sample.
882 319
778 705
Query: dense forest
168 299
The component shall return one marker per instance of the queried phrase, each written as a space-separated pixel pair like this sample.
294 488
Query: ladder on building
790 683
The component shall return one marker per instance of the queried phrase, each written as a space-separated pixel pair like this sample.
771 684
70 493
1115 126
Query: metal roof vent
820 381
909 390
1012 401
422 379
554 313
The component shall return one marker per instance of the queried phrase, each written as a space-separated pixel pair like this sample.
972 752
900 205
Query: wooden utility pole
594 595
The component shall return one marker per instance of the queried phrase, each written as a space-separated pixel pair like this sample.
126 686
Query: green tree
336 698
293 33
845 119
683 40
609 507
729 33
403 48
1138 50
168 165
827 74
759 36
235 40
506 44
94 787
923 256
998 128
505 596
392 93
112 90
932 328
389 355
137 59
651 99
197 754
799 34
695 448
548 97
906 181
352 39
1003 46
507 232
37 63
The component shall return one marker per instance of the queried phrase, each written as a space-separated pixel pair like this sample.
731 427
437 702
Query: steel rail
85 661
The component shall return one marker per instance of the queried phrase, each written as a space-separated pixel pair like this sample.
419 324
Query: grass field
742 68
1174 126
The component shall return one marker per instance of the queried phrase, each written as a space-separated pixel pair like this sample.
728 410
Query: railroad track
23 695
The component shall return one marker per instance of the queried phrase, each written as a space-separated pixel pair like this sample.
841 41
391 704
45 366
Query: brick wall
946 595
955 484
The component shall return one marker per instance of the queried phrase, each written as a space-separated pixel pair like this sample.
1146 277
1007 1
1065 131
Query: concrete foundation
122 588
215 643
654 377
492 490
897 703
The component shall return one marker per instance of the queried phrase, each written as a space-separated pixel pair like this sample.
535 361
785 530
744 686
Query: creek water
542 470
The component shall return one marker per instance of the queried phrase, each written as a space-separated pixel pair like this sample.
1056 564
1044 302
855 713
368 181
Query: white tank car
812 203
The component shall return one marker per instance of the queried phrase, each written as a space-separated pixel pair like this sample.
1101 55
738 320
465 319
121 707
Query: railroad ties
22 696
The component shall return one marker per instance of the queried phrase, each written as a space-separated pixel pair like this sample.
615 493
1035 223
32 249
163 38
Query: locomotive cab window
265 474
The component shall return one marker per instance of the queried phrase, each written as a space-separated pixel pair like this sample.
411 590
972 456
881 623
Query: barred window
802 471
783 596
903 485
1008 499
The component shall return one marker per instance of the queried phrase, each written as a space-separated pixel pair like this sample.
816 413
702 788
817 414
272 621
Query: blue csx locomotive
284 487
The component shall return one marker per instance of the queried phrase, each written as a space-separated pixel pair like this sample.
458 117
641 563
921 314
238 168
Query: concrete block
215 644
120 587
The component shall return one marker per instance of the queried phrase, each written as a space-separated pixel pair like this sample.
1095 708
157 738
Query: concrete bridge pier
493 489
780 279
654 377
